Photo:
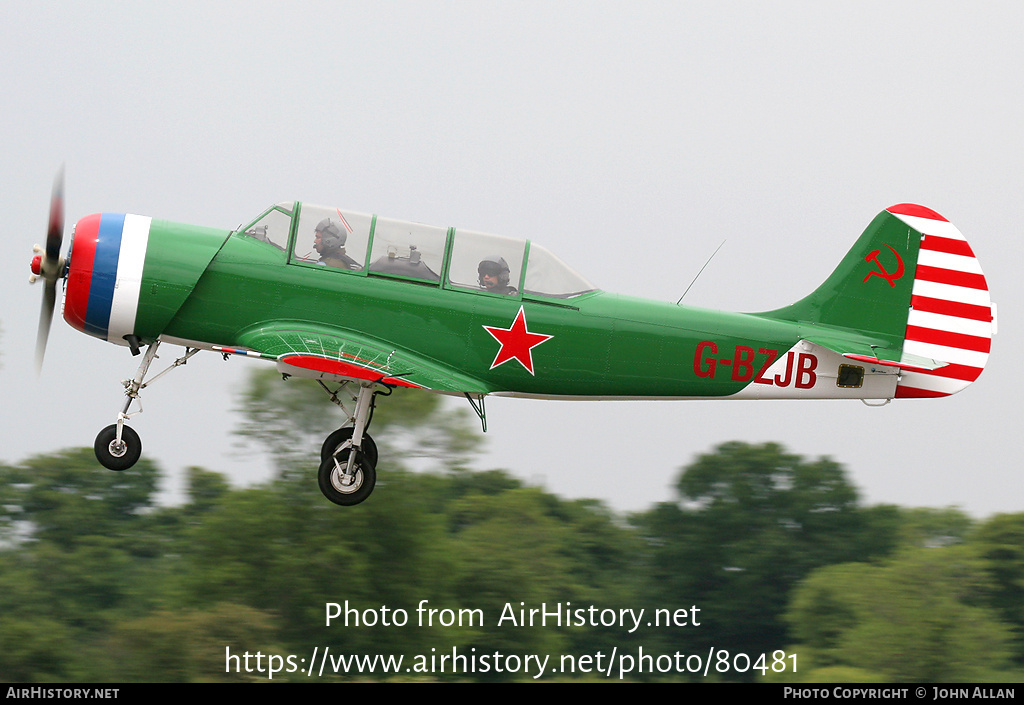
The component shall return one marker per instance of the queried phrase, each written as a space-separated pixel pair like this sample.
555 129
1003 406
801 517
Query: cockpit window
489 263
332 238
273 226
408 250
470 261
546 275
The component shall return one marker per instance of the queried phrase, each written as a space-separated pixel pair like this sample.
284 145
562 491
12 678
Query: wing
311 350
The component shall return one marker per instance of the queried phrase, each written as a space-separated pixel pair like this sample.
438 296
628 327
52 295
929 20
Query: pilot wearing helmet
494 275
329 242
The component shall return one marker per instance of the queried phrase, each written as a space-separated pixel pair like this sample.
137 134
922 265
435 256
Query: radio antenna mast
700 272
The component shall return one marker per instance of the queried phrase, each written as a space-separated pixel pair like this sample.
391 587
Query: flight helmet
493 266
331 236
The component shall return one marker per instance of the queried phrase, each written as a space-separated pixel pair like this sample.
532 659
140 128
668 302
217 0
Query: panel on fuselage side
656 347
809 371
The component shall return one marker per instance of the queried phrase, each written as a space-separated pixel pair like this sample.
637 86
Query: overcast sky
628 138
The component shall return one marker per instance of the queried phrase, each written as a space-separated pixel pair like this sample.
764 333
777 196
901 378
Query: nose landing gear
117 446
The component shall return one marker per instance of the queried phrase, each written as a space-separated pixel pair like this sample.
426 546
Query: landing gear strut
118 447
348 458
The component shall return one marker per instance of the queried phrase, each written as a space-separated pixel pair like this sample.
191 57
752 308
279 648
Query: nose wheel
117 454
118 447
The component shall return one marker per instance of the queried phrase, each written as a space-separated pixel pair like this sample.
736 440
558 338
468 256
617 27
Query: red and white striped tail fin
952 318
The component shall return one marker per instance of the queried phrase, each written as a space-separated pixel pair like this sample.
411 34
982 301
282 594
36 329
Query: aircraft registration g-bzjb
363 304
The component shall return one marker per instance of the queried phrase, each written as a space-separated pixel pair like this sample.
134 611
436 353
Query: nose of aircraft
107 255
82 262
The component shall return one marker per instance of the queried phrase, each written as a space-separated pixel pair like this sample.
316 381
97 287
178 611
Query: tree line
99 582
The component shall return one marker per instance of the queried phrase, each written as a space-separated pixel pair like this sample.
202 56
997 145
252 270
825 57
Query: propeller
48 264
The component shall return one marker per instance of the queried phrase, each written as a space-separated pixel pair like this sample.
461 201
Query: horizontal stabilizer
928 365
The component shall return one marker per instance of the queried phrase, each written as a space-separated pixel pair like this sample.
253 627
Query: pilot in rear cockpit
494 275
329 242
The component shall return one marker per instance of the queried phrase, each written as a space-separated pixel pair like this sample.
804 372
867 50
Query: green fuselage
409 304
602 344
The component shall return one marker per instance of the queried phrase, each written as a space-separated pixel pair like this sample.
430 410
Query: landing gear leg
347 472
117 446
337 439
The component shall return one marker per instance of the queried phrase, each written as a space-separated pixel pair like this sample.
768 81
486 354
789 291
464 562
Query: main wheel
332 479
117 456
341 436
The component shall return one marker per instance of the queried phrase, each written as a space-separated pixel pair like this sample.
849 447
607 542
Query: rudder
951 317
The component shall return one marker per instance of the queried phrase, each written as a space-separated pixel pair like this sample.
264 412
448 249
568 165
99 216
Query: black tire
115 458
330 474
343 434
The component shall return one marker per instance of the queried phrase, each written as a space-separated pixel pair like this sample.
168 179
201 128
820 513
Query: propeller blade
51 266
45 318
55 231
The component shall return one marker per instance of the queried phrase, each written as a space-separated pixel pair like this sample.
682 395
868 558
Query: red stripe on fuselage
83 256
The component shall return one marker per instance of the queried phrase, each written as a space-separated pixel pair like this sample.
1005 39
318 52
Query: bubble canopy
452 258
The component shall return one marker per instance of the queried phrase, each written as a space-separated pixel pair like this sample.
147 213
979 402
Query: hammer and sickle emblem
890 277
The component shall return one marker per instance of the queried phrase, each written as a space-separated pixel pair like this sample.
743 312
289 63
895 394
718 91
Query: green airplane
363 304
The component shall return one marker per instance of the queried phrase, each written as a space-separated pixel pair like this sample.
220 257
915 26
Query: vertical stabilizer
910 291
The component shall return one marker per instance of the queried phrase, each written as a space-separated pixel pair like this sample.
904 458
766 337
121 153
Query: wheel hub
344 483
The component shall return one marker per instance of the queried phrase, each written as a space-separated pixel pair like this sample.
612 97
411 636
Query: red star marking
516 342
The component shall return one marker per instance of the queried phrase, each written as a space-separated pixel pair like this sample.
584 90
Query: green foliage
53 497
809 671
930 528
73 536
1000 540
751 521
205 489
35 649
97 583
187 645
917 617
493 567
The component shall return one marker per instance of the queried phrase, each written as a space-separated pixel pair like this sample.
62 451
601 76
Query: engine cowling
129 274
